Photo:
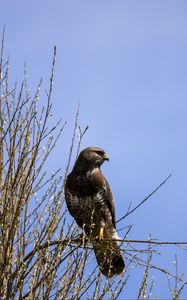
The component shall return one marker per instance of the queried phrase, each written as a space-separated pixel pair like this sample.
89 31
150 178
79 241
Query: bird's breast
87 204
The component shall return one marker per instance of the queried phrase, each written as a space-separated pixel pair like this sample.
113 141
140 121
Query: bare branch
145 199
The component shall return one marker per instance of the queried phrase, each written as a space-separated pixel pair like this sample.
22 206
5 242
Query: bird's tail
109 258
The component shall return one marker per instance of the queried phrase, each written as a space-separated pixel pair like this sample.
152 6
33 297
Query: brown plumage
90 202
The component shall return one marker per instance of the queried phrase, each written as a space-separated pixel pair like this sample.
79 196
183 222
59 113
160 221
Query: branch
152 242
143 201
75 241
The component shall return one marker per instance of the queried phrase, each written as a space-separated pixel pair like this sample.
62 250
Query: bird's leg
101 233
100 237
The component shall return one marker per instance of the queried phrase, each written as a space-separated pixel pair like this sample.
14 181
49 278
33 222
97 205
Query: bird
90 202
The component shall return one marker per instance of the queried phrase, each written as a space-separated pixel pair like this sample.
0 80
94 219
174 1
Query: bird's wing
101 184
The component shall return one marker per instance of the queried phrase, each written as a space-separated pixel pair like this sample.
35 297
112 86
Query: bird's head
90 158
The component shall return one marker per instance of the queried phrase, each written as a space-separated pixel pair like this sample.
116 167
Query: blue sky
126 63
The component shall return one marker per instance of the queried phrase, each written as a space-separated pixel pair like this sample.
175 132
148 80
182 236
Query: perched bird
90 202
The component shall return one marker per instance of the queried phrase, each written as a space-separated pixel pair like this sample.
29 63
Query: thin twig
143 201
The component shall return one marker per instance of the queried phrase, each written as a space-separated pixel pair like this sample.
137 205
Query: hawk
90 202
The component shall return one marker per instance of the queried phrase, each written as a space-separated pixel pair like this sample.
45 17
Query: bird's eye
99 152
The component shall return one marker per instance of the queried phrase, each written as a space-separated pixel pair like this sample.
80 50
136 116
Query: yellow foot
100 237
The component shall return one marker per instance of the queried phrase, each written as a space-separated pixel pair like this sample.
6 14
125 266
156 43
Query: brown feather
90 202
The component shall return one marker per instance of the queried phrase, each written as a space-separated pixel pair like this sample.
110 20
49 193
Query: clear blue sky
126 63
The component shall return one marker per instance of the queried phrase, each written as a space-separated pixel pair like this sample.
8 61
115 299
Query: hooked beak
106 157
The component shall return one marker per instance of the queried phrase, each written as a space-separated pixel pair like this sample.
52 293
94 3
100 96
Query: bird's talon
100 237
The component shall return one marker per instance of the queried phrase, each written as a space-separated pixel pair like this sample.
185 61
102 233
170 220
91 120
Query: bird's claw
100 237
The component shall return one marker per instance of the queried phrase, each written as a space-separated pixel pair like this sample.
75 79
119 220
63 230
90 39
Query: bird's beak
106 157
